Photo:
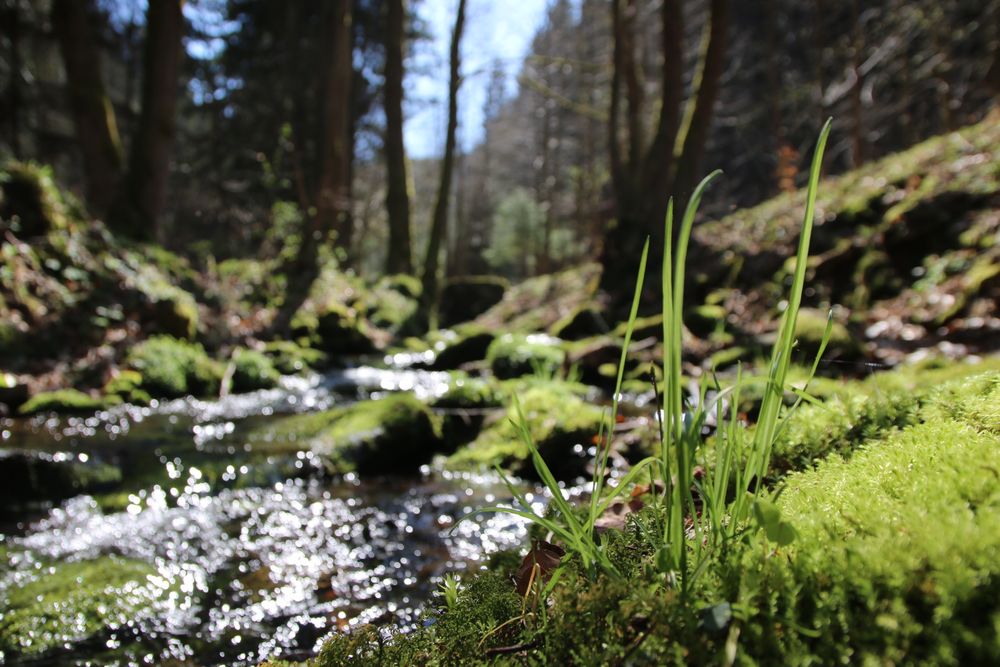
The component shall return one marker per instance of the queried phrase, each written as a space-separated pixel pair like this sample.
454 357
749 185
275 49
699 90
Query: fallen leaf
543 555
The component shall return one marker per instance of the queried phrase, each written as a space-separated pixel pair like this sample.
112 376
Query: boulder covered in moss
465 349
463 408
71 602
582 323
30 203
41 477
563 427
809 329
253 370
290 358
335 329
65 401
513 355
172 368
127 387
396 434
464 298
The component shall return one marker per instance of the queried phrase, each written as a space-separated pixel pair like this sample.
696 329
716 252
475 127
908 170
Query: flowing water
259 554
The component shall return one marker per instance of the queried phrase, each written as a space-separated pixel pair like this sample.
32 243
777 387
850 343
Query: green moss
172 368
70 602
335 328
407 285
513 355
466 392
65 401
468 347
127 386
253 370
809 329
558 420
584 322
394 434
30 203
290 358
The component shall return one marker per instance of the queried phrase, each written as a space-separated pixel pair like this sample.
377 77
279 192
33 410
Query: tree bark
646 175
440 220
93 115
141 200
333 196
400 257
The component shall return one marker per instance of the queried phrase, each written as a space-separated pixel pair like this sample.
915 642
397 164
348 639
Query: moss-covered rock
253 370
39 477
70 602
464 298
396 434
583 323
290 357
30 203
171 368
465 349
538 303
127 386
335 329
563 427
809 329
513 355
65 401
464 407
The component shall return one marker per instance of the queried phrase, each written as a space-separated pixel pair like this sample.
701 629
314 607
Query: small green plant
449 589
709 495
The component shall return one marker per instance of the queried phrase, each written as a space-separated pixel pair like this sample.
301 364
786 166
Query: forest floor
904 409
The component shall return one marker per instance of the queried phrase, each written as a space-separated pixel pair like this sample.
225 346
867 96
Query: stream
263 554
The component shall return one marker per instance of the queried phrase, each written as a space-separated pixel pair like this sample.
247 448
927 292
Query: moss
466 348
809 329
335 328
127 386
30 203
466 297
513 355
172 368
466 392
562 425
253 370
290 358
407 285
392 310
67 401
538 303
396 434
584 322
70 602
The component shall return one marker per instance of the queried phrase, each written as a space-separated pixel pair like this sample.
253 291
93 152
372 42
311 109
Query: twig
516 648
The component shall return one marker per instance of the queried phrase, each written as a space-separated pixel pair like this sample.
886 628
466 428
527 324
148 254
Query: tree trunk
140 202
646 175
440 220
857 121
93 115
333 195
400 258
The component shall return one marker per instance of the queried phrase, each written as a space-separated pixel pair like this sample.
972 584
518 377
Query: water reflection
257 555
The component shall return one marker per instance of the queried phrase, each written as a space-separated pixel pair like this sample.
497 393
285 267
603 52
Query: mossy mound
290 358
172 368
36 477
466 297
512 355
396 434
253 370
469 347
908 243
538 303
563 427
334 328
127 387
71 602
586 322
464 408
390 305
30 203
66 401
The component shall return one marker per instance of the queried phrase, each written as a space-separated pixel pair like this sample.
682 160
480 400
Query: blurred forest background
230 128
